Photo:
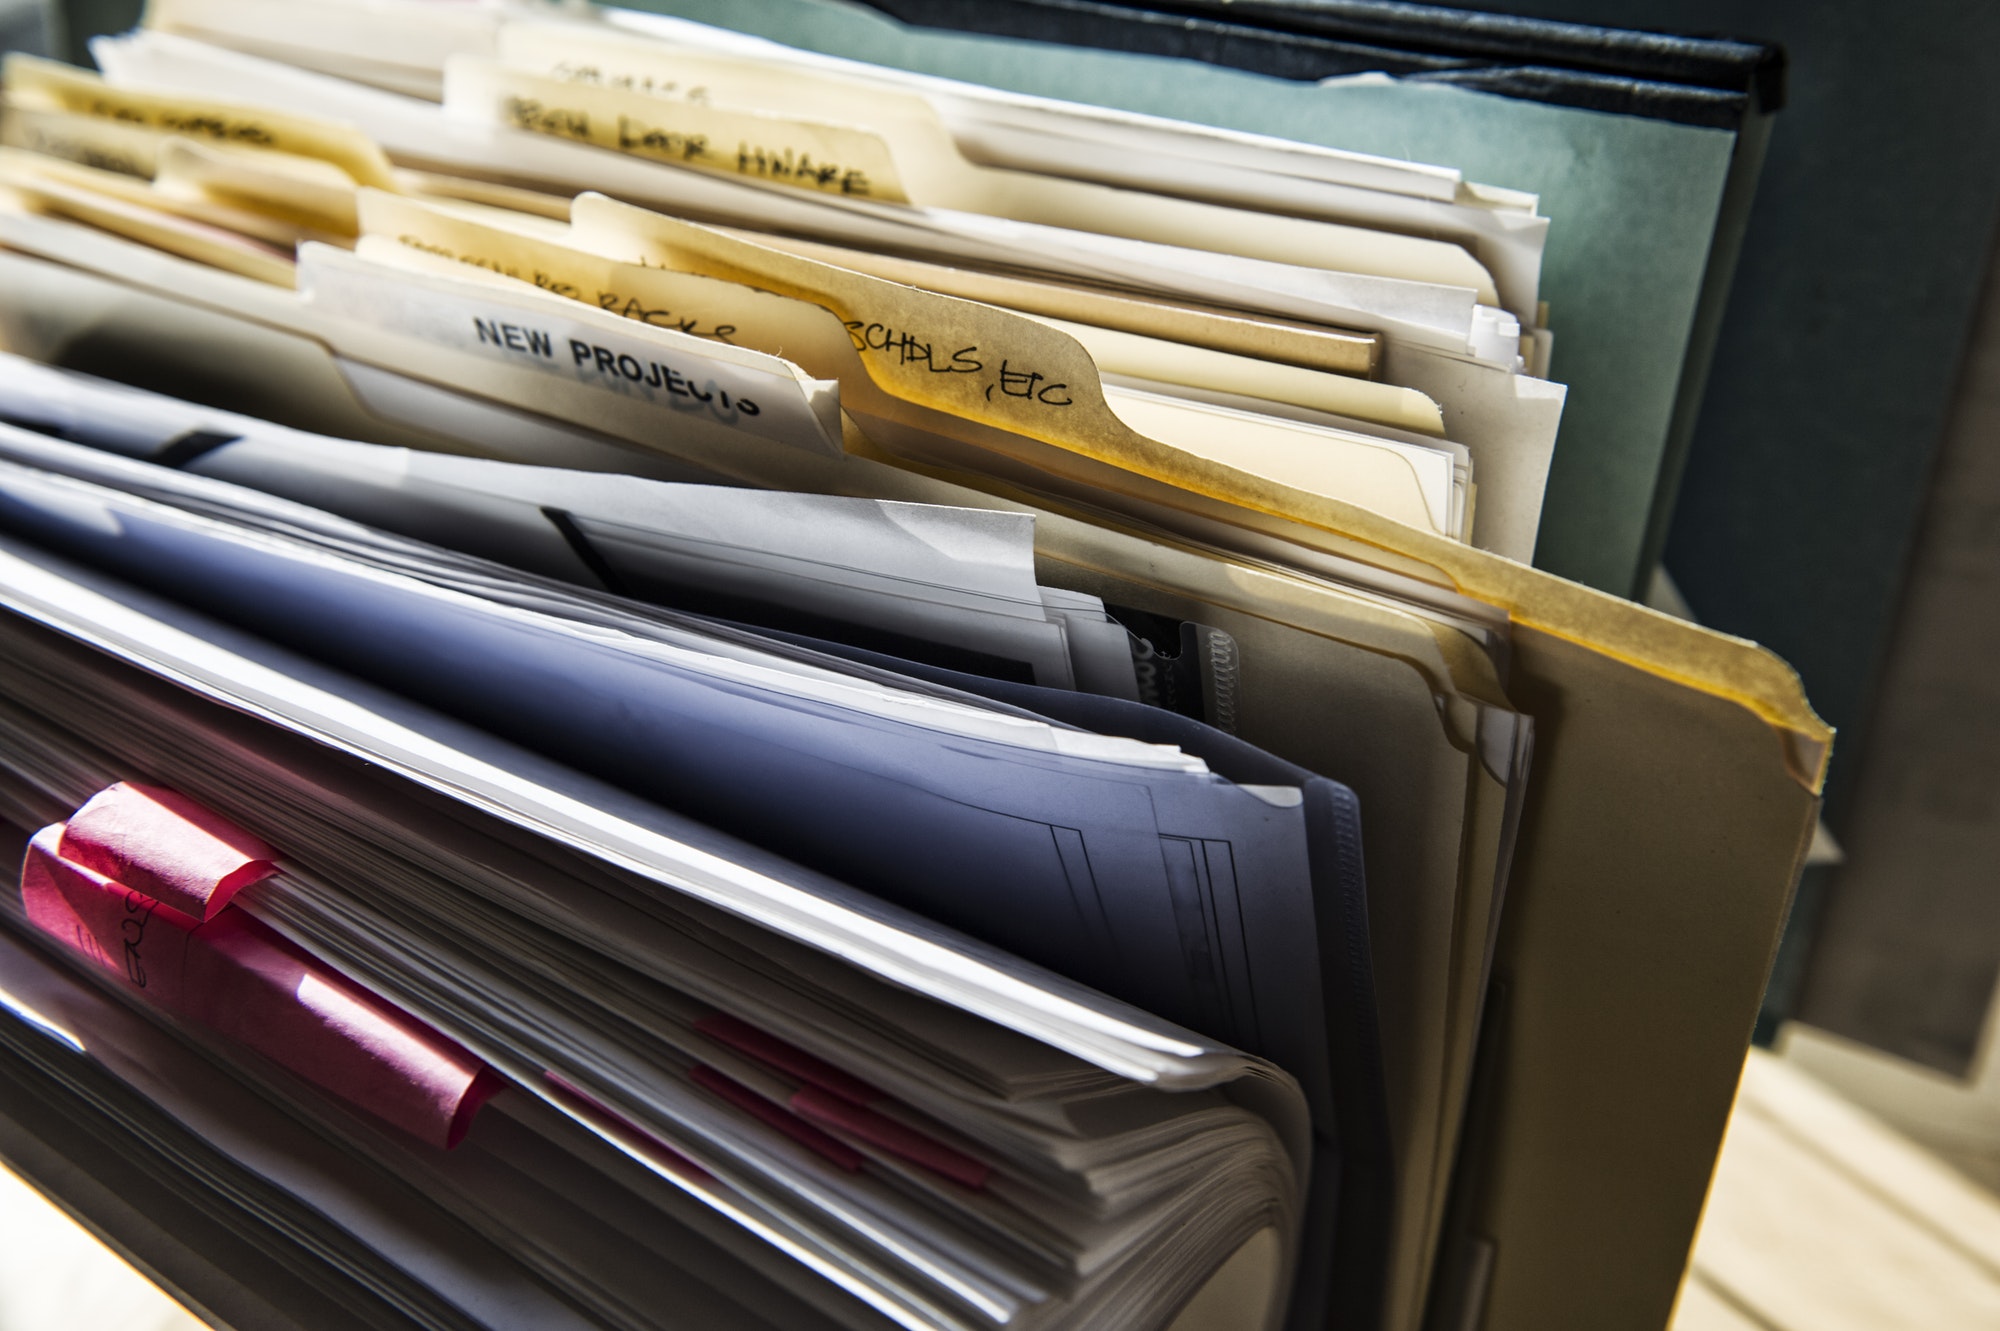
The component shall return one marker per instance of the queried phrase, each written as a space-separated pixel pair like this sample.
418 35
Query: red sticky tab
249 983
787 1058
888 1135
125 932
166 846
777 1116
241 979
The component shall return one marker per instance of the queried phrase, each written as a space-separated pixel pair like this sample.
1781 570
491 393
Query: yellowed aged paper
1307 346
729 309
484 194
106 145
936 174
111 185
229 251
49 85
302 190
1168 362
812 155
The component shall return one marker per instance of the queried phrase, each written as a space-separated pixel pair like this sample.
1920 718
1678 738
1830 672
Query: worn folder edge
1658 644
1654 642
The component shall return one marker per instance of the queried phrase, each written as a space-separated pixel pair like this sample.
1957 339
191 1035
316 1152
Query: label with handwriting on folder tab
957 356
704 307
1007 381
49 85
808 155
683 378
103 145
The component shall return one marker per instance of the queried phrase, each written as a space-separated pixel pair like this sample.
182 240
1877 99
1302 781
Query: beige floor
55 1277
1823 1219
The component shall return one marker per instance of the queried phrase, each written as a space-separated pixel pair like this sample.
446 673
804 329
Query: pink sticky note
247 982
789 1059
124 931
167 846
887 1134
241 979
777 1116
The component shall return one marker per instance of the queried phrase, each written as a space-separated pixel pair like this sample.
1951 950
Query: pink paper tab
247 982
125 932
777 1116
166 846
795 1062
886 1134
241 979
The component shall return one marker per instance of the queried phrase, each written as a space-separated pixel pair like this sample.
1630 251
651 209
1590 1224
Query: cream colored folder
1672 796
1676 771
1393 665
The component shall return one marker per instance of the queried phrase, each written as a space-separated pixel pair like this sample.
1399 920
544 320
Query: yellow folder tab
705 307
1020 377
160 195
820 157
46 84
1307 346
139 219
308 192
970 360
912 326
726 308
107 145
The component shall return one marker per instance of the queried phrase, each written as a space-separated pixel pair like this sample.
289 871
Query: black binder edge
1723 63
1729 88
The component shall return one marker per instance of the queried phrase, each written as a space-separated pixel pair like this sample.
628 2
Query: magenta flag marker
237 976
186 857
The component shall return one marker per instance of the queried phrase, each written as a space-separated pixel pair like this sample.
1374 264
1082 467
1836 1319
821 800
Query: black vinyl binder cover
1688 80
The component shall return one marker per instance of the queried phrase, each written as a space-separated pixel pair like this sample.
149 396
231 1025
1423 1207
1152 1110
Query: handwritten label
85 154
624 304
608 362
1011 379
571 72
122 930
1027 383
531 113
194 124
944 354
138 914
47 85
514 337
799 168
636 136
684 147
664 369
79 139
628 118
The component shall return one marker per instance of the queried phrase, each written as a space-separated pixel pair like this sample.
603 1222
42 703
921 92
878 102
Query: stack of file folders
646 684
